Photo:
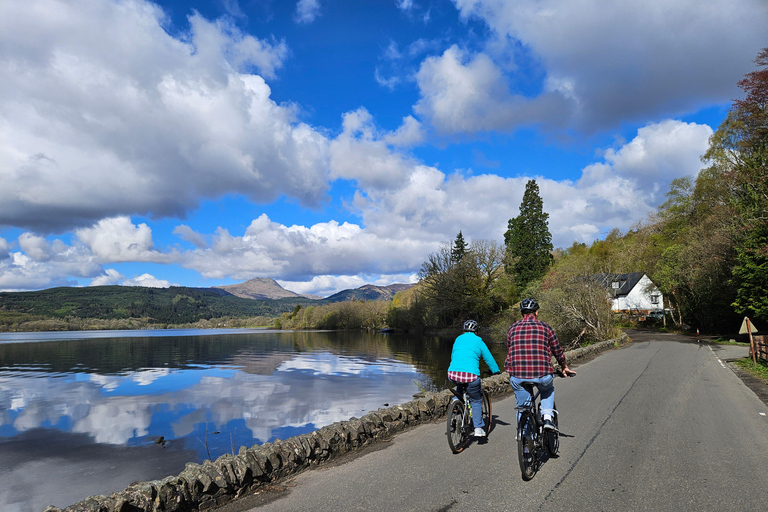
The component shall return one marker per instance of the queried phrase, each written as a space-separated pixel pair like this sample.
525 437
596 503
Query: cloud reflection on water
244 396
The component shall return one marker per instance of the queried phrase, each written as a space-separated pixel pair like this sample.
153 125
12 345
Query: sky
329 144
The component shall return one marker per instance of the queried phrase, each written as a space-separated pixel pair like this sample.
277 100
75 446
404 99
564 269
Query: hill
261 288
174 305
368 292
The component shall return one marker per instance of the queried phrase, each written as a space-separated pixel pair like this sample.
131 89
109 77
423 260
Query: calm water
96 411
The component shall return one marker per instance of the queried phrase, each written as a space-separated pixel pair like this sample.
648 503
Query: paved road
658 425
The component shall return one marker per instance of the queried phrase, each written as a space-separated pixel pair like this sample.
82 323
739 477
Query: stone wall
213 483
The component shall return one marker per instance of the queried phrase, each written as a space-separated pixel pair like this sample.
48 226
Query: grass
723 341
759 370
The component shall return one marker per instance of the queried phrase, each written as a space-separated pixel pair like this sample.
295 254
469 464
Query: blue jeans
475 392
546 386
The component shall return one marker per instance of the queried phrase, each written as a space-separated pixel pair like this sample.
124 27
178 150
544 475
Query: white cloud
118 239
103 113
326 285
361 154
410 133
603 64
307 11
147 280
297 253
110 277
469 93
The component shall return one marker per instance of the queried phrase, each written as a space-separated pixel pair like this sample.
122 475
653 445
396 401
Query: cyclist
531 344
464 370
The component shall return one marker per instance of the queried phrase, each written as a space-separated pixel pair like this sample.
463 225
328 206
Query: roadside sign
747 327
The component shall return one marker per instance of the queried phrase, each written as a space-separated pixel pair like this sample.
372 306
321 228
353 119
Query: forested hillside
174 305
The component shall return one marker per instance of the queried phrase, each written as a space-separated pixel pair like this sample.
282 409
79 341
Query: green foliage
738 155
454 290
528 240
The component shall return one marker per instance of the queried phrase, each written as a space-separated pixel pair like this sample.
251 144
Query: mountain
368 292
260 288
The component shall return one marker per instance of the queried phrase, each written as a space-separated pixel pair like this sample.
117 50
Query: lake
84 413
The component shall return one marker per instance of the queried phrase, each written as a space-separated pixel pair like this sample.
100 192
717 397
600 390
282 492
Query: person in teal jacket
464 370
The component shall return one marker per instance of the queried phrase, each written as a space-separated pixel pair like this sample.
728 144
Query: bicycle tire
455 426
526 447
553 438
486 413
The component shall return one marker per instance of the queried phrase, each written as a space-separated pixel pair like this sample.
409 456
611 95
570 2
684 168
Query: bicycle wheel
526 447
553 438
487 417
455 426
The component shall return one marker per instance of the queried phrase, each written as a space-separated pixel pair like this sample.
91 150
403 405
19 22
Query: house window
654 299
615 285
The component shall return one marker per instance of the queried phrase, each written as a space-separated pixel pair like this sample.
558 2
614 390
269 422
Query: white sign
744 330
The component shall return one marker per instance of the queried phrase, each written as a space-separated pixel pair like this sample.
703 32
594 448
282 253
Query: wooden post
751 341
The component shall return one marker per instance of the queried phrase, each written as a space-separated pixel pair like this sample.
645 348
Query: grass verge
759 370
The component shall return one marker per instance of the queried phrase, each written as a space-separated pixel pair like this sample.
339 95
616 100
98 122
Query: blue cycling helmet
470 325
528 306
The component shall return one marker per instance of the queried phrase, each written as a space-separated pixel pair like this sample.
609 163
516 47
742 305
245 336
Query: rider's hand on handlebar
568 372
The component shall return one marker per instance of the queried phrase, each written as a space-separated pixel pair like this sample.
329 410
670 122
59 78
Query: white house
634 292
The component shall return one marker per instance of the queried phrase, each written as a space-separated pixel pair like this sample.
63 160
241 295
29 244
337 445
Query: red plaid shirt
531 345
462 377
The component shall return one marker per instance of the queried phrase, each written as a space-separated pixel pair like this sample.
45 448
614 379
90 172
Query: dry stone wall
213 483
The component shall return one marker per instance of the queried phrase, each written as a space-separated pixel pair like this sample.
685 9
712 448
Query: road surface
662 424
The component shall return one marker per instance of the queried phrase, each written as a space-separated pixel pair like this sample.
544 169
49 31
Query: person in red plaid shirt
532 343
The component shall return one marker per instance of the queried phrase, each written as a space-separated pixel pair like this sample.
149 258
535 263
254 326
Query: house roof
626 282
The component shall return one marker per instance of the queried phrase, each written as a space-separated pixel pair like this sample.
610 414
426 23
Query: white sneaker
479 432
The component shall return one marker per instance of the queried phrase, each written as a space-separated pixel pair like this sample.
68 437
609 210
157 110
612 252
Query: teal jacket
467 351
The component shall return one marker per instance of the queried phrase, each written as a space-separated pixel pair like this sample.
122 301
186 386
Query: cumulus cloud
362 154
110 277
307 11
118 239
103 113
469 93
147 280
601 64
297 253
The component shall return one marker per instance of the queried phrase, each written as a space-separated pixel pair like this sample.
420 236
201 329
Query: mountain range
262 288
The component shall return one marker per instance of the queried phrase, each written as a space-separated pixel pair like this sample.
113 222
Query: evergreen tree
528 240
459 249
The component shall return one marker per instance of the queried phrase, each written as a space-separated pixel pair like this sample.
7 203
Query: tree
459 248
739 153
456 290
528 240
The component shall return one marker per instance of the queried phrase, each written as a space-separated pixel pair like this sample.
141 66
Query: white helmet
470 325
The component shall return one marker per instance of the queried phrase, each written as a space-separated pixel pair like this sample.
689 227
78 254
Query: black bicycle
532 438
459 420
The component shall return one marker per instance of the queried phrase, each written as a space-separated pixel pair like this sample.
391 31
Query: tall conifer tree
528 240
459 248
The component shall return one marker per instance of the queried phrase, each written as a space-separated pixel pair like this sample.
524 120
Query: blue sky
330 144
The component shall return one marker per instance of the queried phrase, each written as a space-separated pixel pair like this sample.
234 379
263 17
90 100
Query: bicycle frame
531 437
459 418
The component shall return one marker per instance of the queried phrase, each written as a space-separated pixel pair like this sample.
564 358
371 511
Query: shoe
479 432
548 425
